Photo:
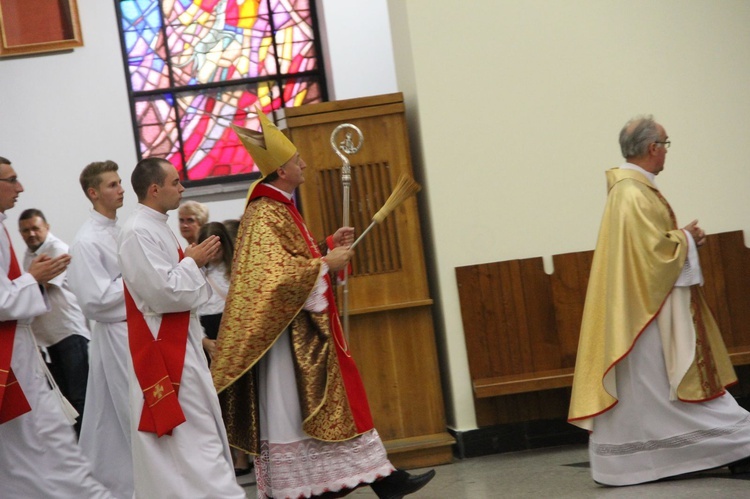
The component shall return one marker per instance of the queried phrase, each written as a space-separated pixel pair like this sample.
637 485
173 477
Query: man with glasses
652 368
39 456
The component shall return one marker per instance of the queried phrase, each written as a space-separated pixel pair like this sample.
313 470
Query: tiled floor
556 472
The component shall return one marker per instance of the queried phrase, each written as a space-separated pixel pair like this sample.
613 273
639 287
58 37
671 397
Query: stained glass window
197 66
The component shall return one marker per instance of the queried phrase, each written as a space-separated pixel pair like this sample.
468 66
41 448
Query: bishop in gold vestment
290 392
651 369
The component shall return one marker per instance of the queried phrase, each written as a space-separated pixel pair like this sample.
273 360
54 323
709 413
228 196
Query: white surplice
291 464
649 434
39 456
95 278
194 461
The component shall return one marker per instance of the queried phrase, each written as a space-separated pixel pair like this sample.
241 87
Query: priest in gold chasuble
290 392
652 368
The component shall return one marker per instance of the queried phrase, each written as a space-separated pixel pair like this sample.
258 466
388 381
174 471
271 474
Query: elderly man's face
10 187
661 150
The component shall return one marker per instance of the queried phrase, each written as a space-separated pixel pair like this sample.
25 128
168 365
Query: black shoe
243 471
740 467
400 483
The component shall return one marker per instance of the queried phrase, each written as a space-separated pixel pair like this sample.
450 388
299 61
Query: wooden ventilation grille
370 188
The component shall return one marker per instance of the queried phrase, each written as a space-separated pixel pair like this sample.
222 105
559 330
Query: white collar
286 194
101 219
650 176
151 213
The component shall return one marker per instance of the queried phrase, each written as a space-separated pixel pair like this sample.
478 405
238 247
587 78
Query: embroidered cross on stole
158 365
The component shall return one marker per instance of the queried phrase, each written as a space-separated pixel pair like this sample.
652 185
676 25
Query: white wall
358 50
60 112
516 107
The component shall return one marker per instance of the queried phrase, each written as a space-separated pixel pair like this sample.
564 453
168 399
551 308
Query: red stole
158 365
13 402
355 390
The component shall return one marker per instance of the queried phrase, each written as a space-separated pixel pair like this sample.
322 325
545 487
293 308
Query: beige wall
515 107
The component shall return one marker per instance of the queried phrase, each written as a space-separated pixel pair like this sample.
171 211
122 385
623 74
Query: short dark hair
147 172
270 178
4 161
31 213
91 174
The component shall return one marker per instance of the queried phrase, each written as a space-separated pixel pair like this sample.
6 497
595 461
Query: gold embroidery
273 274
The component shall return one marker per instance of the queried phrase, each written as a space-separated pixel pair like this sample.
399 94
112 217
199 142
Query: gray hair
637 134
198 210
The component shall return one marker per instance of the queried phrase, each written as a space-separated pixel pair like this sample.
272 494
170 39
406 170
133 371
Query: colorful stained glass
197 66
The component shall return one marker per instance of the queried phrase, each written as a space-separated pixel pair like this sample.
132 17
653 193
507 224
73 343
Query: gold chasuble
273 274
639 255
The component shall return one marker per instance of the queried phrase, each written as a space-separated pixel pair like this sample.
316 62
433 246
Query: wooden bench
521 324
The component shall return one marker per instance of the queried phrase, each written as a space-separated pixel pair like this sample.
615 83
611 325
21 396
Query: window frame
277 81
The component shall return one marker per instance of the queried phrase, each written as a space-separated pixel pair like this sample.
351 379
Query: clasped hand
204 252
44 268
698 235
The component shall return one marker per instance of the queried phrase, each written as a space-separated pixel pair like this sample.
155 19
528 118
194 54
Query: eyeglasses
665 143
10 180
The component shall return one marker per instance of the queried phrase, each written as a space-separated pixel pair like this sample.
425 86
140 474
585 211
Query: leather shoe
740 467
400 483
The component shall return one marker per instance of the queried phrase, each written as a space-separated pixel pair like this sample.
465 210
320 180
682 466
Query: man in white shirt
179 442
95 278
63 330
38 453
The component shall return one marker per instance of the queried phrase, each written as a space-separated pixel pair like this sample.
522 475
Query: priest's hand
44 268
698 235
343 237
204 252
338 257
210 347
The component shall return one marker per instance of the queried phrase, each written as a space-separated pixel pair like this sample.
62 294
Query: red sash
13 402
355 389
158 365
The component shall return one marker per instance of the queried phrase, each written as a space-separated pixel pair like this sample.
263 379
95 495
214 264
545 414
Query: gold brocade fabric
639 255
273 273
712 369
325 407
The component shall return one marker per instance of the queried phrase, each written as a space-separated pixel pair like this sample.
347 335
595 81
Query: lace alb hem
312 467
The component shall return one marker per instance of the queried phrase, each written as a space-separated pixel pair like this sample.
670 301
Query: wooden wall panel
392 337
522 325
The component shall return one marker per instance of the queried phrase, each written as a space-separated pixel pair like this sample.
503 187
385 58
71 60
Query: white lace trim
312 467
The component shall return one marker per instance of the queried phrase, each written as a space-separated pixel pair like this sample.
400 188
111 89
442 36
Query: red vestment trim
13 402
355 389
158 365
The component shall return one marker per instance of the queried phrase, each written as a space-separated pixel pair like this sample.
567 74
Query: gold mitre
270 149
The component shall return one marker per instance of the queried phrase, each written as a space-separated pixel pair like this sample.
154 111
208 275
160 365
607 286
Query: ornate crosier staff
343 148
